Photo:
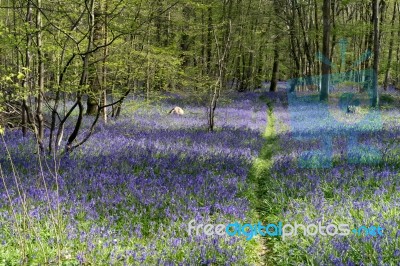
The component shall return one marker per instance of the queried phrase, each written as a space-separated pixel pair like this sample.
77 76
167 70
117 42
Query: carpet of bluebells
359 186
126 196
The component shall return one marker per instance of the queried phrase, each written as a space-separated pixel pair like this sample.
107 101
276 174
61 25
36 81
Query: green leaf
20 76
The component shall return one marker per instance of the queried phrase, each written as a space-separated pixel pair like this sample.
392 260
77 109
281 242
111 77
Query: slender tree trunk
83 80
369 43
104 67
209 40
27 72
148 66
275 68
390 53
221 51
397 68
40 92
332 26
293 47
305 41
95 92
325 50
375 14
317 66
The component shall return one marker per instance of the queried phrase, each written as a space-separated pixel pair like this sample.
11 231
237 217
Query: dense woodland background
97 52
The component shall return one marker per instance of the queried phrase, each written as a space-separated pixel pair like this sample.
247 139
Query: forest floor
326 166
128 196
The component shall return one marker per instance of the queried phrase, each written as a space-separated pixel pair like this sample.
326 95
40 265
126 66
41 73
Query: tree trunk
94 79
209 40
325 50
275 69
27 72
104 67
390 55
40 92
375 14
83 80
293 49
